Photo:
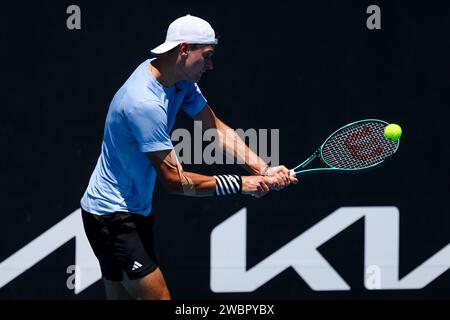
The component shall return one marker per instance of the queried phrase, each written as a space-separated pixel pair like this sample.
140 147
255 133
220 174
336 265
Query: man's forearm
235 147
176 180
197 185
194 185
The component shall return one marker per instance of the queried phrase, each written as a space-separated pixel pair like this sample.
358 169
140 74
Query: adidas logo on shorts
136 265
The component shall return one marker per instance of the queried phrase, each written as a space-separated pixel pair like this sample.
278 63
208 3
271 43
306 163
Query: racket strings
359 146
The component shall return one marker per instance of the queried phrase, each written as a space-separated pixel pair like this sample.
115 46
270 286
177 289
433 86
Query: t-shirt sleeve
194 101
148 124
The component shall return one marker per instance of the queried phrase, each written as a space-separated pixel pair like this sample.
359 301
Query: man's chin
195 79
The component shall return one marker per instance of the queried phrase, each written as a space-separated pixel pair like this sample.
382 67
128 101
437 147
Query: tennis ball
393 132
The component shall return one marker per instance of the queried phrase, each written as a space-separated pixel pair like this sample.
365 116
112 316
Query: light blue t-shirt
140 119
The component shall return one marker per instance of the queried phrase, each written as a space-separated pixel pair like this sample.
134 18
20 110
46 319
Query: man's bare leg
151 287
116 291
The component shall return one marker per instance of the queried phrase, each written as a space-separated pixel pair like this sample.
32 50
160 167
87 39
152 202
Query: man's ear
184 49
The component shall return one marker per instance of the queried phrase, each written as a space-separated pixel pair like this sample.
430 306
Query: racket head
357 146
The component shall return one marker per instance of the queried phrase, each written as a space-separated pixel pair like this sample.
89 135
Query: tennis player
136 148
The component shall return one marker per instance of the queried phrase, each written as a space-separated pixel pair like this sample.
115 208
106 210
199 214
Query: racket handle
292 172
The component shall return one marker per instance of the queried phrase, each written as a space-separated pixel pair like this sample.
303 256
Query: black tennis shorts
122 242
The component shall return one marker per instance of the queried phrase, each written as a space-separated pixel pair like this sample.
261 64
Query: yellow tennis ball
393 132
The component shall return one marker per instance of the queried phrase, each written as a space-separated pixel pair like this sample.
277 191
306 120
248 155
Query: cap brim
166 46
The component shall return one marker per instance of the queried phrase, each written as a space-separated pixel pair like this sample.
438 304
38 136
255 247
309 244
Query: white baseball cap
188 29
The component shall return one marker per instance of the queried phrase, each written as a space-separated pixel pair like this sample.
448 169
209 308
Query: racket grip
292 172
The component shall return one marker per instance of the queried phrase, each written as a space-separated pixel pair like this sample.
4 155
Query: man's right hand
257 186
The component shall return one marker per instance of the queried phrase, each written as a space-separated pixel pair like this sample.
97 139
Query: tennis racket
356 147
